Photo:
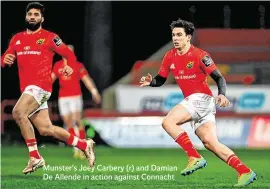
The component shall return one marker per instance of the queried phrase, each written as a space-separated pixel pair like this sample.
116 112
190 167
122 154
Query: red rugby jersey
190 70
34 53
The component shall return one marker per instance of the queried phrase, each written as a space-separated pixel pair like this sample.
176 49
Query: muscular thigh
41 119
26 104
178 115
207 131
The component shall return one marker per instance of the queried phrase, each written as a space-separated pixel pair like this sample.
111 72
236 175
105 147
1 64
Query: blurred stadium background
118 42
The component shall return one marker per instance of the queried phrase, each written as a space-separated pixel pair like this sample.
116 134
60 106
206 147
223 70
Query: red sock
72 131
184 141
75 141
237 164
82 134
32 147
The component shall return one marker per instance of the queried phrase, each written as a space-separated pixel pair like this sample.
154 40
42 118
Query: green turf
216 175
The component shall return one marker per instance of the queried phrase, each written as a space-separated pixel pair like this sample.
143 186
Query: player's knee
19 116
15 113
166 123
46 131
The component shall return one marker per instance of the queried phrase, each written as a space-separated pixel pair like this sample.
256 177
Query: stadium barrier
143 130
244 99
146 132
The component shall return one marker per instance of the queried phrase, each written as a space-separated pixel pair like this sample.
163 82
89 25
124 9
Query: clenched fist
146 80
9 59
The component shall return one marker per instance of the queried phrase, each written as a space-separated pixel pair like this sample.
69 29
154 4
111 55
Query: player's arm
221 84
89 83
209 67
220 81
9 56
161 77
158 81
61 48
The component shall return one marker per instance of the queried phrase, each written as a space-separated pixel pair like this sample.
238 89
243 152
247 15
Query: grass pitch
126 168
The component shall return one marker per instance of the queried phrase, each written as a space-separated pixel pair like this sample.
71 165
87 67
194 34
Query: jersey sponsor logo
57 41
172 67
190 65
186 77
207 60
28 52
40 41
181 72
26 48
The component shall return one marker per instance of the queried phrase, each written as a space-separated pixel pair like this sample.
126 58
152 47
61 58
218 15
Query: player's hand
67 70
222 101
9 59
96 96
146 80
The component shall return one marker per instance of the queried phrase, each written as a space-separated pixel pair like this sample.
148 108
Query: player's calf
208 136
172 125
45 127
196 162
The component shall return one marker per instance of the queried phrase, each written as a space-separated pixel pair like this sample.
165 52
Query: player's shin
184 141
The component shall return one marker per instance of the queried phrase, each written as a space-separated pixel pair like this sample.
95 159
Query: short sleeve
165 69
206 63
55 41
